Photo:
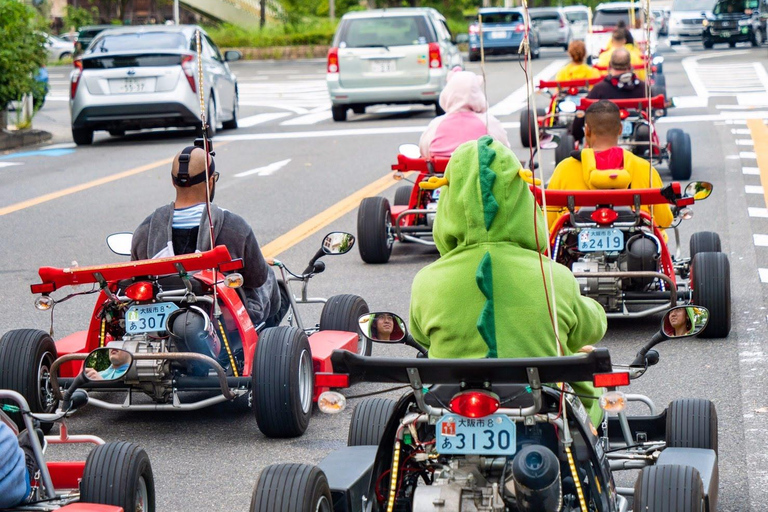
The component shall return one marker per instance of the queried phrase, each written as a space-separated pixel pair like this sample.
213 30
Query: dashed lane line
763 274
753 189
760 240
752 171
760 137
758 212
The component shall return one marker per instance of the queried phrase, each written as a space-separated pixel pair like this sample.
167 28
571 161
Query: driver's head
194 190
619 37
119 357
602 123
620 63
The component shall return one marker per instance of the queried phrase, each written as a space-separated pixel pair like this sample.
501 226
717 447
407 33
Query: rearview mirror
338 242
684 321
383 327
120 243
409 150
549 141
698 190
232 55
107 364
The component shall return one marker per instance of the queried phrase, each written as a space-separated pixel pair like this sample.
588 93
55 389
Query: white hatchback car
133 78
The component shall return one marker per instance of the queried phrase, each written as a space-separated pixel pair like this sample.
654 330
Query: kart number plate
148 318
383 66
593 240
626 128
436 194
132 85
492 435
498 35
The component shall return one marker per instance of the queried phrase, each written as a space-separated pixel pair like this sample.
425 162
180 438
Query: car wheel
692 423
438 109
669 488
679 147
339 113
474 56
711 284
82 136
704 241
341 313
403 195
708 44
358 110
757 38
374 230
292 488
65 55
732 44
369 420
119 474
232 123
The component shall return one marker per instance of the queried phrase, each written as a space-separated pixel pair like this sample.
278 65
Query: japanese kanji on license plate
492 435
148 317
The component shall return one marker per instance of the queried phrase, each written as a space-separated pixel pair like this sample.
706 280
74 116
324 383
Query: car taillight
610 380
623 114
141 291
474 29
520 28
604 216
186 66
573 91
474 404
333 60
75 80
435 59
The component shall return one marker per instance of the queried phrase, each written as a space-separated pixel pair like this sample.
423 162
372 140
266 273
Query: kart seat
510 395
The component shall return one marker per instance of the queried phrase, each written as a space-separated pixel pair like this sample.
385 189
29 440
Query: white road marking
9 164
763 274
747 155
247 122
753 189
717 79
723 116
56 98
740 122
298 96
735 107
518 99
266 170
690 102
752 171
312 118
740 131
745 142
760 240
63 145
758 212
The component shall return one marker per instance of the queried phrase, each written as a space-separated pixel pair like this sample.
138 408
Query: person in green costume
486 296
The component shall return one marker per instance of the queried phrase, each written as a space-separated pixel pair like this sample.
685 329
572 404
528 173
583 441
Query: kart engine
152 375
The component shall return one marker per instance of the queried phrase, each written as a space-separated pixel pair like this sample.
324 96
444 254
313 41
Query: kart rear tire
369 420
339 113
374 220
711 283
340 313
291 488
527 137
564 148
704 241
679 144
692 423
82 136
659 80
283 382
669 488
403 196
119 474
26 356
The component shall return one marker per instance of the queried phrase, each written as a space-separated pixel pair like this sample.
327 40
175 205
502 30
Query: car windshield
611 18
544 16
139 41
502 17
384 32
734 6
691 5
574 16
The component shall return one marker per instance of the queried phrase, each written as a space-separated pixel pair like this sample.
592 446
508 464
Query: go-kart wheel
26 356
119 474
374 230
527 137
659 80
564 148
692 423
711 284
340 313
369 419
283 382
403 196
669 488
291 488
704 241
679 146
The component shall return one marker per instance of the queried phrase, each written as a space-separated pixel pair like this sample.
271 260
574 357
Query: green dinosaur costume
485 296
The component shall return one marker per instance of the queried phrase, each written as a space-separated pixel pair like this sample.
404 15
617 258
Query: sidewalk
17 139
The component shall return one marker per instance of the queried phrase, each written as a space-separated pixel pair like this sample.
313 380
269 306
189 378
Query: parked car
734 21
552 25
58 48
132 78
503 31
86 34
686 20
389 56
578 16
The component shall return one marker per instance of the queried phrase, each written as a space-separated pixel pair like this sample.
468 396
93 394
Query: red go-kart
163 312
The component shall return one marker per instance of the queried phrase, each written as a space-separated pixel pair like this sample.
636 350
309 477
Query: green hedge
229 36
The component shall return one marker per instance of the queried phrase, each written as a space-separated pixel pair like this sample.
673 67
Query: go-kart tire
340 313
659 80
692 423
438 109
374 219
339 113
403 195
283 382
704 241
291 488
474 56
369 419
564 148
26 356
711 283
679 144
527 137
82 136
119 474
671 488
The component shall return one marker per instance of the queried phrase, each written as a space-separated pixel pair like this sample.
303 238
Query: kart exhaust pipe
536 480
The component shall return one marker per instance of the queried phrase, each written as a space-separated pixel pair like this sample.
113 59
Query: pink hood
463 92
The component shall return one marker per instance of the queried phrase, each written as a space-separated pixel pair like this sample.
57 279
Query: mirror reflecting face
120 243
549 141
684 321
107 364
567 107
698 190
338 242
409 150
382 326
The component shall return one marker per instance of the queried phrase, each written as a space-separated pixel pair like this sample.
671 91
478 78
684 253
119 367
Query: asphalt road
57 206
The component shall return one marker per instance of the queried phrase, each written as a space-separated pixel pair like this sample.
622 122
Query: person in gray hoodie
182 227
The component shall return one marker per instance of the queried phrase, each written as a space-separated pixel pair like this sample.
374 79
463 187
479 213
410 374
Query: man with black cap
182 227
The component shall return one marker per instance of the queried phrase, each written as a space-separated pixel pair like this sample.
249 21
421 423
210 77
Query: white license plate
492 435
148 318
593 240
626 128
725 34
497 35
383 66
132 85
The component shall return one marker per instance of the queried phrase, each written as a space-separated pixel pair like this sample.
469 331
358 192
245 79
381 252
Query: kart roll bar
657 102
434 165
634 66
671 194
564 84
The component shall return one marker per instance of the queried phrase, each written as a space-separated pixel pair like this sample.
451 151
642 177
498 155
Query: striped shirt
188 218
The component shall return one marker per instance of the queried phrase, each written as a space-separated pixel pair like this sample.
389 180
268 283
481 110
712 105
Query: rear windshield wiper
373 46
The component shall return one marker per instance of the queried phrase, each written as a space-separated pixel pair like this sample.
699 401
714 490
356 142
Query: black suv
734 21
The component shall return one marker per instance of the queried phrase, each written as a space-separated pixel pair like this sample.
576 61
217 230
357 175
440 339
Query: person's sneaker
29 455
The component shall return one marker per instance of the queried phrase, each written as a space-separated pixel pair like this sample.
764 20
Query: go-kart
412 215
116 477
189 331
622 260
498 435
657 79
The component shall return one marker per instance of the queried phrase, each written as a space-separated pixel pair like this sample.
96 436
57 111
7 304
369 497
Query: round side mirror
567 107
232 55
409 150
698 190
120 243
338 242
685 321
107 364
383 327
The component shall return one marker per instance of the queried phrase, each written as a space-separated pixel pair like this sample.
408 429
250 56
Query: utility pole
175 12
263 20
332 9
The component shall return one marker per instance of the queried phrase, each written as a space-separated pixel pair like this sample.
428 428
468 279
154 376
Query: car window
446 30
692 5
545 16
574 16
384 31
212 50
734 6
611 18
139 41
503 17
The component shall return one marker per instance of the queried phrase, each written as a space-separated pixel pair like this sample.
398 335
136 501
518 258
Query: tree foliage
78 17
22 50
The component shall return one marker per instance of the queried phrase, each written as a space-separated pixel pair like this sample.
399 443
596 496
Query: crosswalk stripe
758 212
247 122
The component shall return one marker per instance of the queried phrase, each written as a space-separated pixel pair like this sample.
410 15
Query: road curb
14 140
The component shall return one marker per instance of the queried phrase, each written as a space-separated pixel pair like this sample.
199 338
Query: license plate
593 240
498 35
725 34
383 66
626 128
131 85
492 435
436 194
148 318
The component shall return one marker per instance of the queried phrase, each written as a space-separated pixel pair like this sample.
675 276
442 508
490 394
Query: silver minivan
389 56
